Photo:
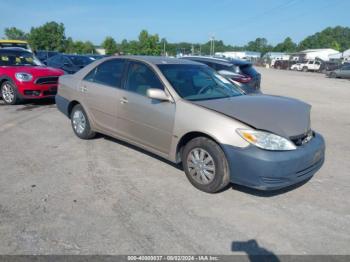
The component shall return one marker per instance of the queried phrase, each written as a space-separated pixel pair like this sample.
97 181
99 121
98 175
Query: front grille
303 138
47 80
51 92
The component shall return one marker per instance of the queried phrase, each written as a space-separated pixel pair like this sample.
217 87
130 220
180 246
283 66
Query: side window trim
105 84
129 63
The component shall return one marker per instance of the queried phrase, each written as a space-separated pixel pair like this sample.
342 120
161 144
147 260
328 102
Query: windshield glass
80 60
195 82
18 59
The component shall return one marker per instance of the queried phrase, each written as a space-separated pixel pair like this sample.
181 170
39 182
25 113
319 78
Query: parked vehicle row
331 69
241 72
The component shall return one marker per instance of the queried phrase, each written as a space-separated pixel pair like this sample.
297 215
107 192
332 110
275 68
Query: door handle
83 89
123 100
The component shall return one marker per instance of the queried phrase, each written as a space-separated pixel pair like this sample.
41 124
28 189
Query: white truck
309 65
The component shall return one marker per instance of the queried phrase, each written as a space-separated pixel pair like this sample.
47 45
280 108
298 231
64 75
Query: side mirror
158 94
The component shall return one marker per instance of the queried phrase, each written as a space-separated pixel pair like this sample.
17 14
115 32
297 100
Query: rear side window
108 73
248 70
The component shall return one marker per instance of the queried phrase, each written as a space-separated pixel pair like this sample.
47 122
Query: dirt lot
62 195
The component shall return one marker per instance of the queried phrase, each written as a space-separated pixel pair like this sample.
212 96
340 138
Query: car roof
13 50
155 60
8 41
219 60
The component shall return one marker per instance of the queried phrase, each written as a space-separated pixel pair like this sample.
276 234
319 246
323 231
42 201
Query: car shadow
120 142
272 193
254 251
29 105
240 188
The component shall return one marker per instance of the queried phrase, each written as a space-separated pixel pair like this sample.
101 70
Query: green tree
14 33
69 47
286 46
110 45
149 44
49 36
81 47
259 45
332 37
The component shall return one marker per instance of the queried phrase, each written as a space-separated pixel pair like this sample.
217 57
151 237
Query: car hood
38 70
283 116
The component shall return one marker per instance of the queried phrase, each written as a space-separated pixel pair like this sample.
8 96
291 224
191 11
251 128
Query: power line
252 19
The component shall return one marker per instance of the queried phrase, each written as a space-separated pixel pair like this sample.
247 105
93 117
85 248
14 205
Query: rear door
100 89
146 121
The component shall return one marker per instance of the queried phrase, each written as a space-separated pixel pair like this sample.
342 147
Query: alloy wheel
8 93
201 166
79 122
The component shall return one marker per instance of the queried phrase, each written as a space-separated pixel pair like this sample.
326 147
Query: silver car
343 72
187 113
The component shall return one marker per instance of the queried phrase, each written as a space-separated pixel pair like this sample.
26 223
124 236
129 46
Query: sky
234 21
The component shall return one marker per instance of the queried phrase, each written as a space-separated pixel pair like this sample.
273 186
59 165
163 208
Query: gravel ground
62 195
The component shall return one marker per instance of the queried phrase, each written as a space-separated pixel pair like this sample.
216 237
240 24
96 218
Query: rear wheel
80 123
9 93
305 69
205 165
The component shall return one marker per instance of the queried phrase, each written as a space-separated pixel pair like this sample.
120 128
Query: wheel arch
71 105
188 137
4 78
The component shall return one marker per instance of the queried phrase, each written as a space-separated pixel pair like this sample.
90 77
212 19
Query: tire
216 166
305 69
9 93
80 123
333 75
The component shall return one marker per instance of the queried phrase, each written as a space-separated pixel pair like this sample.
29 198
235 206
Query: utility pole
212 45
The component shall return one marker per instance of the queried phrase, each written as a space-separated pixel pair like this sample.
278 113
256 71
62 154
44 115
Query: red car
22 76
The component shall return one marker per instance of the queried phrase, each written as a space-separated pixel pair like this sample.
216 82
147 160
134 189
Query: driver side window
141 78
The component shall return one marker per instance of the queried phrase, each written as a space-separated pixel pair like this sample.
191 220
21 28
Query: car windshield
81 60
196 82
18 59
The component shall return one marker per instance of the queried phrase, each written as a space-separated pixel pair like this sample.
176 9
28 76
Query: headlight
24 77
266 140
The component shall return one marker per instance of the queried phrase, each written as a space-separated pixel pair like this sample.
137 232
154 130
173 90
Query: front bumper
38 91
272 170
62 104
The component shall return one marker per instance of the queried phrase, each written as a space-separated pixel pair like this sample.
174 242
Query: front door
143 120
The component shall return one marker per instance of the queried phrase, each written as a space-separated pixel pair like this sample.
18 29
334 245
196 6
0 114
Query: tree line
51 36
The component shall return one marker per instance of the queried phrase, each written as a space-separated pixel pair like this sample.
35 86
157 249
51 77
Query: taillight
242 78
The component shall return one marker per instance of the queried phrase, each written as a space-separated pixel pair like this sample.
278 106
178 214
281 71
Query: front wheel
305 69
205 165
80 123
9 93
333 75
